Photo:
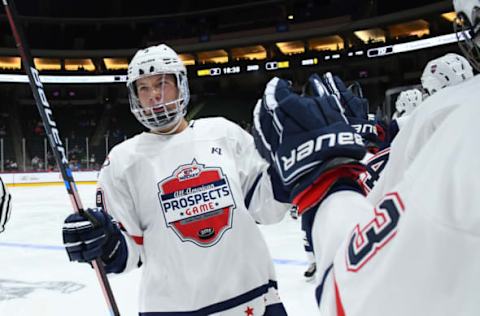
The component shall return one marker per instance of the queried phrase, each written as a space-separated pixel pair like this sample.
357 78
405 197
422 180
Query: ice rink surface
36 278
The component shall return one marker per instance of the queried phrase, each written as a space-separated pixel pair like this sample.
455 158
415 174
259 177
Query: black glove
305 138
85 242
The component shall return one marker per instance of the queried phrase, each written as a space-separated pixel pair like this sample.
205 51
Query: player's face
157 89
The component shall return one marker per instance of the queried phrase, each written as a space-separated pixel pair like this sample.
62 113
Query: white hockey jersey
189 203
417 252
417 130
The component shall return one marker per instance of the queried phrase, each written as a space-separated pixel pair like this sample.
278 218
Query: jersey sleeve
113 195
256 182
421 237
335 219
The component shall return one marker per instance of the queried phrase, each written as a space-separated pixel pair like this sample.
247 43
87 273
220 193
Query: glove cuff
340 178
116 253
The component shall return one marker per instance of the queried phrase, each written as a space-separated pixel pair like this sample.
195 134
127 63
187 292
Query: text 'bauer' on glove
85 241
308 139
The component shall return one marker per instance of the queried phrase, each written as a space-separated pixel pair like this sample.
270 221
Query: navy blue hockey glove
306 138
85 242
266 135
354 108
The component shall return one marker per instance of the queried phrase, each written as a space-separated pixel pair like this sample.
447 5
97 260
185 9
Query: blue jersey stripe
222 306
248 197
217 183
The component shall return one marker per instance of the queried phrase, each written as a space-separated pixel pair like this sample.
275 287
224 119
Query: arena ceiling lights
84 64
449 16
14 63
288 48
218 56
256 52
10 63
333 43
412 28
371 35
48 63
188 59
217 71
115 63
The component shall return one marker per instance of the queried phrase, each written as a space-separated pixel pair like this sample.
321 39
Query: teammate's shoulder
458 94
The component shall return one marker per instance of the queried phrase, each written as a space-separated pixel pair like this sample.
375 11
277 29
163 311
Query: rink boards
15 179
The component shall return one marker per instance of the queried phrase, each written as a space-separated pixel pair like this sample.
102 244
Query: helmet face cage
158 61
468 36
164 113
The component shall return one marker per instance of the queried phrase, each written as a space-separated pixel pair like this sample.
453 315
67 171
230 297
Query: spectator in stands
11 165
3 129
93 162
38 129
37 163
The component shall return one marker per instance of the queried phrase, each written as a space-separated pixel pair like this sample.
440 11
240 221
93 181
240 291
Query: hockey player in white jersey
405 104
415 252
445 71
5 205
440 73
186 196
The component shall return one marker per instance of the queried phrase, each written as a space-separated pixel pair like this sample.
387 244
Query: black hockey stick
56 142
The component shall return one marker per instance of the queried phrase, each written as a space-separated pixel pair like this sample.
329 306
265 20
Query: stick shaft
56 143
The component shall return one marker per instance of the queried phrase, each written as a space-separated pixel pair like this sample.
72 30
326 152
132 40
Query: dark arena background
231 49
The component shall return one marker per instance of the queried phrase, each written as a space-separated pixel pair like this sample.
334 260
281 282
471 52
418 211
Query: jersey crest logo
366 242
188 173
197 203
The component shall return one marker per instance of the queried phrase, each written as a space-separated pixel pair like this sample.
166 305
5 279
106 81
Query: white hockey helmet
448 70
158 60
467 26
407 101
